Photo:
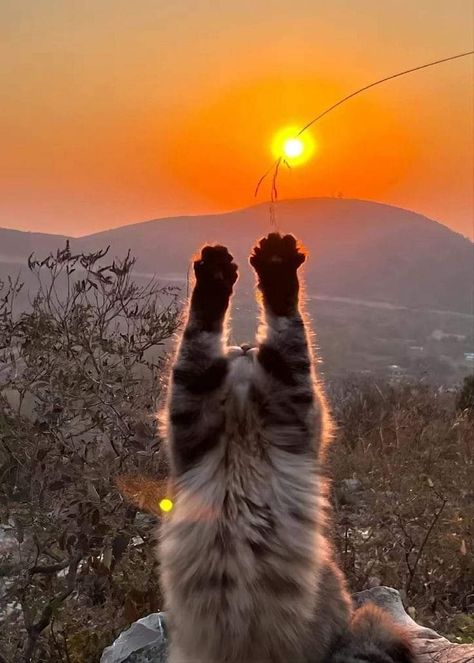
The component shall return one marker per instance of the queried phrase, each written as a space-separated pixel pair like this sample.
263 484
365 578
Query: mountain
358 249
16 245
389 290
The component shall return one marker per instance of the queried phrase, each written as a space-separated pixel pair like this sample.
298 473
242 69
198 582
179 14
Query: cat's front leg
276 260
195 414
216 274
291 404
283 350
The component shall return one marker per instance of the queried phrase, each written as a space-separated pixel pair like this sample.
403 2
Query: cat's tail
375 638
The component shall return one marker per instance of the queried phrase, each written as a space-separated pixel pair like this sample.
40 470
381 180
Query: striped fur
247 571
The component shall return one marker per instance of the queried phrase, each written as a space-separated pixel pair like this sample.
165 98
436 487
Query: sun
292 148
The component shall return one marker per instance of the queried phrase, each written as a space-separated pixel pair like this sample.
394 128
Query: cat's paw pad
215 267
277 253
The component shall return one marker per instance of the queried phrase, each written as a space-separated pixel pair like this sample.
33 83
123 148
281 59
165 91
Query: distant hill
377 280
16 245
359 249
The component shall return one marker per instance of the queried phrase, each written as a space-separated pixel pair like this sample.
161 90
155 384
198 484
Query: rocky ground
146 640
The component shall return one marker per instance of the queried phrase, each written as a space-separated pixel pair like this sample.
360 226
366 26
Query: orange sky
115 112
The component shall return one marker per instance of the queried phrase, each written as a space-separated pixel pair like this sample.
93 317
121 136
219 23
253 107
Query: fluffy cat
248 572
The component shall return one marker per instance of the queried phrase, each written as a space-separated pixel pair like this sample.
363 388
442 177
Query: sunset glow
116 114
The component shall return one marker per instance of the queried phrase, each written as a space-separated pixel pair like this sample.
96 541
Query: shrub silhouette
79 374
410 525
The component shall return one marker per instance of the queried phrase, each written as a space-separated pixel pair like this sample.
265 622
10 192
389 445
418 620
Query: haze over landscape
390 291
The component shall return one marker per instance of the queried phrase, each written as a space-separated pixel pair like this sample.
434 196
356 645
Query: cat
247 568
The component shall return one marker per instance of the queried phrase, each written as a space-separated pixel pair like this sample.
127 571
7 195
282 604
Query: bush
79 375
411 524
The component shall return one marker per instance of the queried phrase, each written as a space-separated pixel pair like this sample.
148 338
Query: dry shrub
410 522
80 372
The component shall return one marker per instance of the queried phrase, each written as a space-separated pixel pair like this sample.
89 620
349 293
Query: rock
146 640
347 491
430 647
389 599
351 485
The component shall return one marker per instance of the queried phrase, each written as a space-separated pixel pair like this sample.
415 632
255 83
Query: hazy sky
115 111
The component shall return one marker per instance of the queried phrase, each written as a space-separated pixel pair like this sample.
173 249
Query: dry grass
410 524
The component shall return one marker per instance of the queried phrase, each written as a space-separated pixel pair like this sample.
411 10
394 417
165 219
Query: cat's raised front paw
215 268
216 273
277 253
276 259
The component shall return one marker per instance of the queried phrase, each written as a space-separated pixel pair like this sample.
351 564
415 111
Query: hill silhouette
377 280
359 249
